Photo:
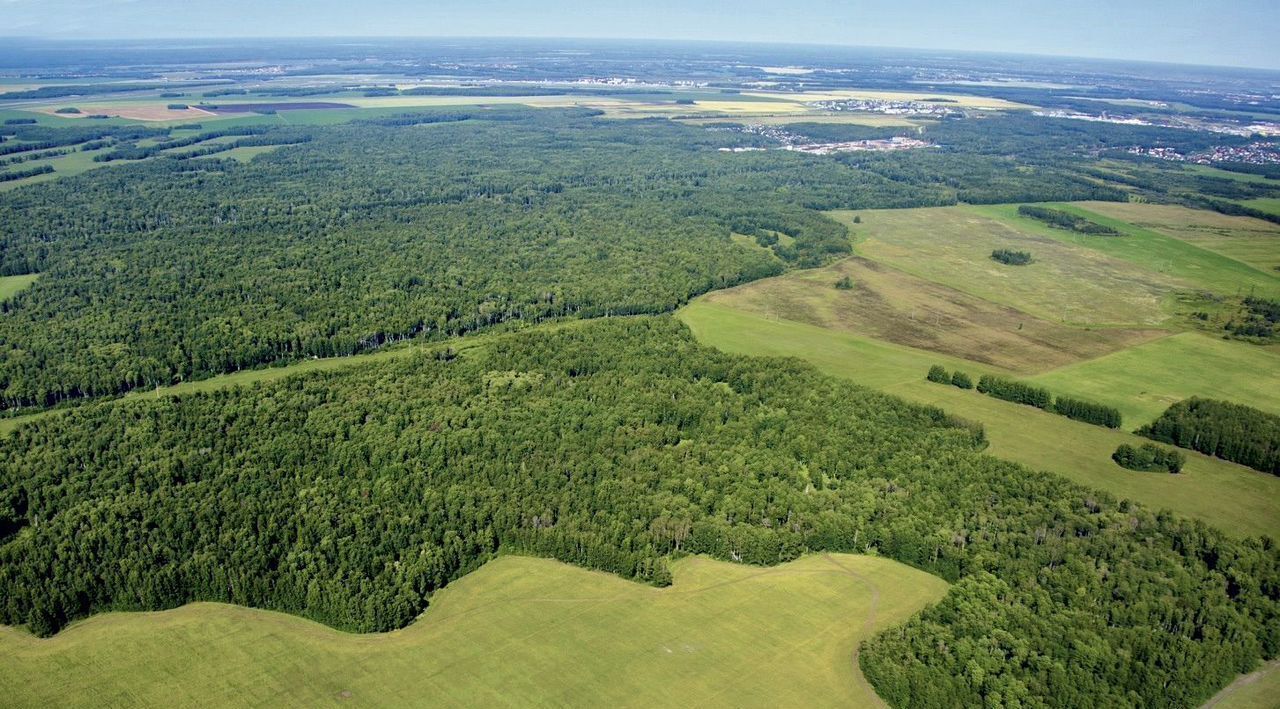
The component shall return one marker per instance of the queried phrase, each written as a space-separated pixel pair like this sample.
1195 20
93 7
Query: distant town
1263 128
802 144
1261 153
920 109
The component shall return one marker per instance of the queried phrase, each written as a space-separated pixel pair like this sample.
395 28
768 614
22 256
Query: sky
1221 32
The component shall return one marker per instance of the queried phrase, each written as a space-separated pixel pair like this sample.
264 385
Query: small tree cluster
940 375
1149 456
1011 258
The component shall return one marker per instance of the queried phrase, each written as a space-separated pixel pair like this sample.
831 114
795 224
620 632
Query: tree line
1029 395
1065 220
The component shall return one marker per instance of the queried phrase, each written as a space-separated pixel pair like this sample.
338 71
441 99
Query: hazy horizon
1179 32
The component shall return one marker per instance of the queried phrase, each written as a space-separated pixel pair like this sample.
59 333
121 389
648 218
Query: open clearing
1065 283
1233 498
1144 380
518 631
890 305
1252 241
12 285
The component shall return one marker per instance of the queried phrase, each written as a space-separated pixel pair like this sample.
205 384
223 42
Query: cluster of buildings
1263 128
1261 153
889 108
802 144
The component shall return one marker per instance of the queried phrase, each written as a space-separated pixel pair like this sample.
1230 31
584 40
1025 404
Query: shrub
845 283
961 380
938 373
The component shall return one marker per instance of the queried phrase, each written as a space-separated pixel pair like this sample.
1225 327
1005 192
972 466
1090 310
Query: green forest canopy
425 225
349 496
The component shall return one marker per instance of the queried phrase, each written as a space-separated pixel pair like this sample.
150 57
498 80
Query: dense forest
428 225
1234 432
350 496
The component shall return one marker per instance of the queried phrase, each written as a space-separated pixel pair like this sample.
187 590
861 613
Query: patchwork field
1252 241
894 306
131 111
952 246
520 631
1234 498
1184 263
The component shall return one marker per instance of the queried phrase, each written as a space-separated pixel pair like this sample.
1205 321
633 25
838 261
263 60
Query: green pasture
1144 380
1255 242
517 632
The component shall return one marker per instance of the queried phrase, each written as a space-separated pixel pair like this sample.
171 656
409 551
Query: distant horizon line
669 40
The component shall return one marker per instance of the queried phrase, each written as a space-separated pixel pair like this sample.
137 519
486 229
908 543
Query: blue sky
1227 32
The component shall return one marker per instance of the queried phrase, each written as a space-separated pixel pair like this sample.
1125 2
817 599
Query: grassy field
12 285
1256 690
1252 241
1233 498
1266 204
517 632
952 246
894 306
1144 380
1153 252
